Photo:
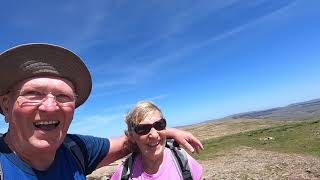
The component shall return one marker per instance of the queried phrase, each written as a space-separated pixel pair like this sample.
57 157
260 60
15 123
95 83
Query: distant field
299 138
253 149
277 143
213 129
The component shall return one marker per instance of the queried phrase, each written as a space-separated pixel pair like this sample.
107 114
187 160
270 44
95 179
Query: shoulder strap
179 155
127 167
181 159
72 144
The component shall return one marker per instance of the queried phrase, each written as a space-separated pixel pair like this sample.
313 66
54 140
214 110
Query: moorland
277 143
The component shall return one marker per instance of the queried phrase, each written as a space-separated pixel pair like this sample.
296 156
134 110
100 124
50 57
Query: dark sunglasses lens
160 125
143 129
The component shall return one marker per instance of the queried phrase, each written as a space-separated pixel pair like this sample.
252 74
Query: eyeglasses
143 129
35 98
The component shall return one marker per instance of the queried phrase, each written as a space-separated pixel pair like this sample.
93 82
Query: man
40 87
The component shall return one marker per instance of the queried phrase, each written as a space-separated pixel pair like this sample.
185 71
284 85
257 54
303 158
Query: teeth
46 122
153 144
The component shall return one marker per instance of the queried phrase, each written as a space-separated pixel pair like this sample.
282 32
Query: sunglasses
143 129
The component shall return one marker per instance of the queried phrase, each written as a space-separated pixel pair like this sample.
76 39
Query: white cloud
97 125
3 126
126 107
128 68
102 124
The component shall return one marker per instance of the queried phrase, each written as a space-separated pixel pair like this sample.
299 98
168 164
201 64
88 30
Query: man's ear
4 104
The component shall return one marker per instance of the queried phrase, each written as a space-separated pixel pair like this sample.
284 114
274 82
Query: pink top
168 169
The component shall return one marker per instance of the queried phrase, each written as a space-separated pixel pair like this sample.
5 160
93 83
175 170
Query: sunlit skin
151 145
23 134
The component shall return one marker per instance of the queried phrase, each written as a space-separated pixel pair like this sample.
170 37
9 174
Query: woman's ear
131 137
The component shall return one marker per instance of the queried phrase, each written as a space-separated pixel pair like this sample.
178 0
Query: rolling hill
307 110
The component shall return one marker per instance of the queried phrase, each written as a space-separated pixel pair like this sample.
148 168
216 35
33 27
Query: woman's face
152 144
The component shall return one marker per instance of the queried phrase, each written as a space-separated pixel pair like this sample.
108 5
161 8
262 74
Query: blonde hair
140 111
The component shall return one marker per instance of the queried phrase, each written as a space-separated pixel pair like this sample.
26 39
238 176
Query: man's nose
49 103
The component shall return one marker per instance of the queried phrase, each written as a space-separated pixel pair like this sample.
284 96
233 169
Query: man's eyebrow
32 88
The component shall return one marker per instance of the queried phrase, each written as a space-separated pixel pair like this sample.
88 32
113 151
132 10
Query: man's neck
38 160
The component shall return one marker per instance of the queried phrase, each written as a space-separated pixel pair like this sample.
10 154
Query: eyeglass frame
43 97
162 123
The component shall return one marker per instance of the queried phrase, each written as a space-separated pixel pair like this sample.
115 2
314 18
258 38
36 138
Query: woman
151 159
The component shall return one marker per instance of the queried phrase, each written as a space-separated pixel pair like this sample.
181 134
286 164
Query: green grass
301 138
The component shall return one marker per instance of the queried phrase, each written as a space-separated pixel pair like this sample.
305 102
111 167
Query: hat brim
42 59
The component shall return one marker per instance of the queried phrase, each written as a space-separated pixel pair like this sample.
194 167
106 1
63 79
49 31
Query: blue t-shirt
64 166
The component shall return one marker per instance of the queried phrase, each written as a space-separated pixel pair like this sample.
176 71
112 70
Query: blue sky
198 60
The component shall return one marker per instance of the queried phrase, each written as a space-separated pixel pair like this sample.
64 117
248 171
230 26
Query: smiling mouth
46 125
153 144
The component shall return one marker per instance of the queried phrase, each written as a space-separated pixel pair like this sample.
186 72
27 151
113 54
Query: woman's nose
153 132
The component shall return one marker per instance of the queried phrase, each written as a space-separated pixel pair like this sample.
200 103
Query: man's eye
32 93
64 97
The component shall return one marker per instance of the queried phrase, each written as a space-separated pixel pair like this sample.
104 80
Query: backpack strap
180 158
127 167
77 148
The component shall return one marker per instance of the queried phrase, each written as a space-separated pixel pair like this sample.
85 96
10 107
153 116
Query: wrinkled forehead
42 82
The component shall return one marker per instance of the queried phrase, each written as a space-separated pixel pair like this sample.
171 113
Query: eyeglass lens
34 98
143 129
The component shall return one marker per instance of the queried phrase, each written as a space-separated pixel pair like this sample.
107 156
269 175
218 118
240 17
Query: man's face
40 124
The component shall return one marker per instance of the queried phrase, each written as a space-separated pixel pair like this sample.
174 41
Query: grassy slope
301 138
223 127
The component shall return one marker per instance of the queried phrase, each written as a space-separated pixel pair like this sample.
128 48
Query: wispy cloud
99 24
129 80
111 91
123 108
95 124
159 97
3 126
126 107
101 125
145 67
89 29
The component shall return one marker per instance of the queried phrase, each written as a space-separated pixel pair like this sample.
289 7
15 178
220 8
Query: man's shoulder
87 141
85 138
88 149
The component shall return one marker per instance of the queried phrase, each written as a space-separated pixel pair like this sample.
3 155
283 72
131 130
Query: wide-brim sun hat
43 59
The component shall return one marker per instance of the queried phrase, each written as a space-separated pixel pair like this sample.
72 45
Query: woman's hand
186 139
